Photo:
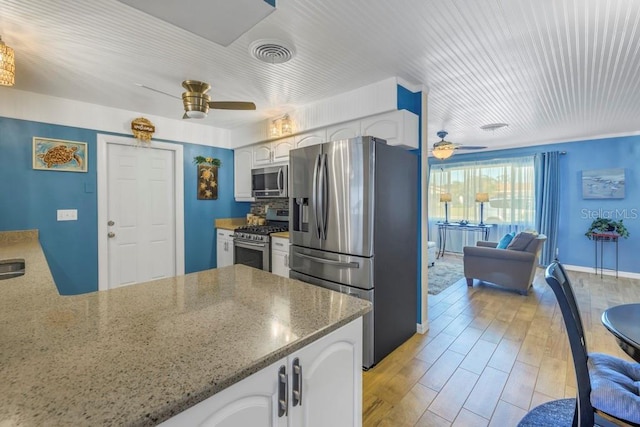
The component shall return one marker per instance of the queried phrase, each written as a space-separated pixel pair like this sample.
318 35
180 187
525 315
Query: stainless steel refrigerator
354 229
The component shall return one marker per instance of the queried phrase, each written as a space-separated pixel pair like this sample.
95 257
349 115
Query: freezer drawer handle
329 261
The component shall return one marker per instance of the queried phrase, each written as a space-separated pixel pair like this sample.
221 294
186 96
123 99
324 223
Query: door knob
111 234
110 223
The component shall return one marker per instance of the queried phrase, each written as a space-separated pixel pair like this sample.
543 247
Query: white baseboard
605 272
422 328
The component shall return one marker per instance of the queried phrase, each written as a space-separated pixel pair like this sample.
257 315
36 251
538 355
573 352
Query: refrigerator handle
328 261
314 195
325 195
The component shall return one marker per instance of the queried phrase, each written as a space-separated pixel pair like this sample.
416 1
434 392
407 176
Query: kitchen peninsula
139 355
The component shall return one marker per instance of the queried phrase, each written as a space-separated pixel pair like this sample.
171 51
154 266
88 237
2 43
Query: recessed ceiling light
493 126
271 51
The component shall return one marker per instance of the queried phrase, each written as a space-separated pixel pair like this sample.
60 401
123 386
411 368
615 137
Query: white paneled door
140 214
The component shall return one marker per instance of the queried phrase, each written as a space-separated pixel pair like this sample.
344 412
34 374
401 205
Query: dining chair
608 387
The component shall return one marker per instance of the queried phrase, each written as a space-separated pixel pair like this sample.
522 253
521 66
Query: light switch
67 214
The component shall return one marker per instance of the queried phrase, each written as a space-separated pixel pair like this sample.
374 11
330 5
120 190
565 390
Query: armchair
512 269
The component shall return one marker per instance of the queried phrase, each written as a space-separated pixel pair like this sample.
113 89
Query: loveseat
509 268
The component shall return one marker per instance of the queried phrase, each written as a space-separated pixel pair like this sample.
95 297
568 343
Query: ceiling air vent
271 51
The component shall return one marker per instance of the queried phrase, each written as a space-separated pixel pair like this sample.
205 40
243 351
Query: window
509 183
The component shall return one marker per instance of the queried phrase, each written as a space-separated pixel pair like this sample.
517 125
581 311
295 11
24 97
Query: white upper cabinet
344 131
311 138
272 152
242 161
281 148
262 154
398 127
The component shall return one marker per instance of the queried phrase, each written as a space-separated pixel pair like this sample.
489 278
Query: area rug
557 413
444 274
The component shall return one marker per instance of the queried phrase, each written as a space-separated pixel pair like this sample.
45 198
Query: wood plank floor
489 355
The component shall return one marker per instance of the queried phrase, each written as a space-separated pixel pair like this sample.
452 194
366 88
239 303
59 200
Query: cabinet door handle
297 383
286 260
283 392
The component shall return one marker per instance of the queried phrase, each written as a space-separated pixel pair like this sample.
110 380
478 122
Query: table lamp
482 198
446 198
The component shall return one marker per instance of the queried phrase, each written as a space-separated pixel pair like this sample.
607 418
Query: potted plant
606 225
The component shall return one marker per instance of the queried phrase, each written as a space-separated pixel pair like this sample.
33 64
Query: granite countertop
230 223
138 355
284 234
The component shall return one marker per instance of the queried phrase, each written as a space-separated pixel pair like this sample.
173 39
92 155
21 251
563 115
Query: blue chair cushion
506 239
615 386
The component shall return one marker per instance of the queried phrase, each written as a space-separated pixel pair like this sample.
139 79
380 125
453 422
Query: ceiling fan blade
472 147
232 105
157 91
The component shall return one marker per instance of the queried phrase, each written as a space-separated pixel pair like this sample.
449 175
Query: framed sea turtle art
59 155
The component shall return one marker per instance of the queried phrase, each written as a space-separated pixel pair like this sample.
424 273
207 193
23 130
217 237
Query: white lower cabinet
280 256
331 380
318 385
224 248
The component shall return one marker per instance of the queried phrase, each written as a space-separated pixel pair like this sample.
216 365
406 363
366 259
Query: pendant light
7 65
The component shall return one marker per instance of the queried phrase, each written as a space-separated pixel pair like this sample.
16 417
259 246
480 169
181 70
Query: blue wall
412 101
576 213
32 197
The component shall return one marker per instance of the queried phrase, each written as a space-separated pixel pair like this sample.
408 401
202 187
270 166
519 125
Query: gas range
258 232
252 243
277 221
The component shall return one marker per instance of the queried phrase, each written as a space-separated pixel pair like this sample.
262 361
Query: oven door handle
247 244
329 261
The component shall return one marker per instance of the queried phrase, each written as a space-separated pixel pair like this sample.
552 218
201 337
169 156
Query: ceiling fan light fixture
196 104
443 152
7 65
195 114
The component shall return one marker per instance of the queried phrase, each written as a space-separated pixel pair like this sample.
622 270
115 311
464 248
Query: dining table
623 321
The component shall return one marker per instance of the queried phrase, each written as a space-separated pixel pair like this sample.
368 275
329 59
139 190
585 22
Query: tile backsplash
259 207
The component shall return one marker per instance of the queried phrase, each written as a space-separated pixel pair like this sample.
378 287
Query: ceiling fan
197 101
444 149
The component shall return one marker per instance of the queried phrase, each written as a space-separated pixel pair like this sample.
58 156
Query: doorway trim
101 168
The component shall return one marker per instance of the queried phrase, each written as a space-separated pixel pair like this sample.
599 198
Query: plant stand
602 238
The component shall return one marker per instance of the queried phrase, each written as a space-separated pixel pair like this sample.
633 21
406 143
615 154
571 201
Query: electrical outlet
67 214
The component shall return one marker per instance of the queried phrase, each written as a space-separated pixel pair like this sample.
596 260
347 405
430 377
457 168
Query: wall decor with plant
207 177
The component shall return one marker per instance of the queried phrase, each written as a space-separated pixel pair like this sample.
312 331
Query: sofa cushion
521 241
506 239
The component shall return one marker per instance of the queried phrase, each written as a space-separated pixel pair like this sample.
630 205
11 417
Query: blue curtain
547 202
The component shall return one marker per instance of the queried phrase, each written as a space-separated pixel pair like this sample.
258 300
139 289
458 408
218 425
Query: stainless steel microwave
270 182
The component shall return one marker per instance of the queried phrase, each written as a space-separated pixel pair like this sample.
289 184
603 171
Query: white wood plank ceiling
554 70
